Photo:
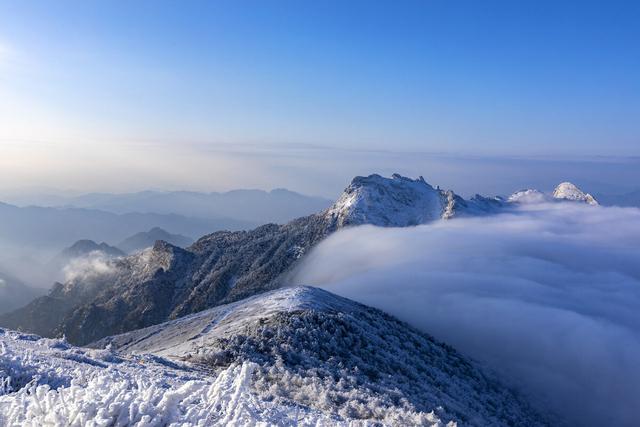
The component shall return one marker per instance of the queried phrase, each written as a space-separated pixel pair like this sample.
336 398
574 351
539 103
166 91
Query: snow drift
548 295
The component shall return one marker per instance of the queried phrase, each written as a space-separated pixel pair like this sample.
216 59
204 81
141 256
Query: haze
101 96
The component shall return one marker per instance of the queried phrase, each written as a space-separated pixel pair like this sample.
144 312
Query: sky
120 96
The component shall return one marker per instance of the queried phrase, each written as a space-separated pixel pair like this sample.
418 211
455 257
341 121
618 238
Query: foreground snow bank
48 382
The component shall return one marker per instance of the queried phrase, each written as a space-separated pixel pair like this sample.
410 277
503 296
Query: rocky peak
397 201
568 191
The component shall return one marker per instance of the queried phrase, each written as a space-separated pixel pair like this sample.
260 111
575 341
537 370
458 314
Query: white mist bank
548 296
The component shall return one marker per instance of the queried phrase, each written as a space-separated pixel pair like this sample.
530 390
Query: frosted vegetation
48 382
338 357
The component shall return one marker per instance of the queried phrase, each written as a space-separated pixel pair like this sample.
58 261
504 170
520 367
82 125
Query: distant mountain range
53 228
168 282
244 206
14 293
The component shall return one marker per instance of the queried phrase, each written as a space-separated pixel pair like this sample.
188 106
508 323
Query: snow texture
333 355
568 191
46 382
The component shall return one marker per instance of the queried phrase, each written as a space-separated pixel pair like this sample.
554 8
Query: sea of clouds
547 296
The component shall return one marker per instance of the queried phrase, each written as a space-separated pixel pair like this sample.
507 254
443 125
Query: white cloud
549 297
87 267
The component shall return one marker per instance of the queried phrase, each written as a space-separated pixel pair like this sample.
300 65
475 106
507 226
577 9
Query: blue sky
87 79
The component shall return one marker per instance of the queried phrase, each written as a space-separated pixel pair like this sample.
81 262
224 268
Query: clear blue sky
471 77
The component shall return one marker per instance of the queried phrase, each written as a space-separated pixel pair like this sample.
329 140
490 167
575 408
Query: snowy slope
564 192
401 202
336 356
49 382
396 202
568 191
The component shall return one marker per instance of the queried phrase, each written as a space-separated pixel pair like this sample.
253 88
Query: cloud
547 296
87 267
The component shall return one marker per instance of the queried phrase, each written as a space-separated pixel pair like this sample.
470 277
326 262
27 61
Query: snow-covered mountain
166 282
568 191
334 360
400 202
564 192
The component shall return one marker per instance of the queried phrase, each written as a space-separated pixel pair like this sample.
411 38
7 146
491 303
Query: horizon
110 98
466 175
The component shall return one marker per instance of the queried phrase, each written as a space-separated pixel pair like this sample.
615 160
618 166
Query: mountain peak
397 201
569 191
290 331
146 239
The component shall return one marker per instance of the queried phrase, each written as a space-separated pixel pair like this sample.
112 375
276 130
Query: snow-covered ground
294 356
334 355
45 382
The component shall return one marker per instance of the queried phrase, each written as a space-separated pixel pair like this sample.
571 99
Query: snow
568 191
565 191
188 335
293 356
528 196
397 201
333 355
48 382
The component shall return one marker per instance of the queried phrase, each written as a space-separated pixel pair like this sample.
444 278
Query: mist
547 296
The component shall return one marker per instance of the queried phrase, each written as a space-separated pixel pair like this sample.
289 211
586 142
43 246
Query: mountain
14 293
337 361
248 206
568 191
82 251
167 282
85 247
146 239
564 192
53 228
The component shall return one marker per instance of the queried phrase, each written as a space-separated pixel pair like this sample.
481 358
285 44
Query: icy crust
48 382
336 356
568 191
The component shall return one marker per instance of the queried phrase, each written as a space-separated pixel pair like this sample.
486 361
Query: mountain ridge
299 336
168 282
